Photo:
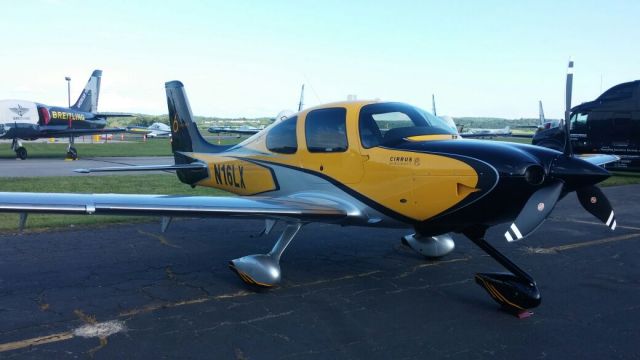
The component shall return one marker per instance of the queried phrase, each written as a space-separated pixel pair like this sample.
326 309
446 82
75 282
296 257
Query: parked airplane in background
471 133
334 164
153 131
27 120
479 132
240 130
250 130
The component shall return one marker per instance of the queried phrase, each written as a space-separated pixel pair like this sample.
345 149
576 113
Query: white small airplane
153 131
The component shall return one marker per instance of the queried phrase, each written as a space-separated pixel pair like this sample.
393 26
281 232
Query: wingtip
174 84
82 171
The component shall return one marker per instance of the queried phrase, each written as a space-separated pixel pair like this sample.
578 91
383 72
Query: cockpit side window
326 130
282 137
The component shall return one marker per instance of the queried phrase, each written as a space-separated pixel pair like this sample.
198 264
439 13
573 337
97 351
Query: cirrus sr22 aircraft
359 163
28 120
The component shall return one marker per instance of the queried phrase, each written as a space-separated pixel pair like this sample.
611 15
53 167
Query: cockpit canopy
388 123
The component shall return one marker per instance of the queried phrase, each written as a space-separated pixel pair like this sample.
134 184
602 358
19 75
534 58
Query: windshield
386 123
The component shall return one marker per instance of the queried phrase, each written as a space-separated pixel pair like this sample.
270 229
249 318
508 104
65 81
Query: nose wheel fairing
516 292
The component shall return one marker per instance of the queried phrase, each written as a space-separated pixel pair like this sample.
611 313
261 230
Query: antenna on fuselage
567 111
433 104
301 103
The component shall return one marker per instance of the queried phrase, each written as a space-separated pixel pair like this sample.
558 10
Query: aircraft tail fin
541 113
88 99
185 136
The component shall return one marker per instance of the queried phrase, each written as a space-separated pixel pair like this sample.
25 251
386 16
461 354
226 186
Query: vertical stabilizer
88 99
541 113
185 136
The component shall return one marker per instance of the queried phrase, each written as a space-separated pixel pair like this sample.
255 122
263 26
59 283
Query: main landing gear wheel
72 154
21 153
432 247
263 270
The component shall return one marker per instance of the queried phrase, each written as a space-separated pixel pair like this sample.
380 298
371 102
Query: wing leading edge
170 205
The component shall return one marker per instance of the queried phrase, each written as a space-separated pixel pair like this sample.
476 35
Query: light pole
68 89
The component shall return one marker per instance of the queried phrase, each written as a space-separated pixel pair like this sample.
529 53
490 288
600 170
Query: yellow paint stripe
36 341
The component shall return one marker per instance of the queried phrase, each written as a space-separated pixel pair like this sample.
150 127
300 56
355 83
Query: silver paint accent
613 227
431 246
264 269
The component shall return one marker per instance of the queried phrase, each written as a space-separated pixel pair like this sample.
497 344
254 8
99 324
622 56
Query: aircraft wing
598 159
79 132
114 114
215 130
171 205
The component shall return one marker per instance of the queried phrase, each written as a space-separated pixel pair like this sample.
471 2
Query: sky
249 58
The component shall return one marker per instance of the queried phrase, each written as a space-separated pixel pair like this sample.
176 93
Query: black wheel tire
72 154
21 153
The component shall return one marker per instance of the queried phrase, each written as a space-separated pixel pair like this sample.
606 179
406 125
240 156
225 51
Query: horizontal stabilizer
193 165
114 114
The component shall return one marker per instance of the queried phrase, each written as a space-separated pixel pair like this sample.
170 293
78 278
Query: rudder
88 99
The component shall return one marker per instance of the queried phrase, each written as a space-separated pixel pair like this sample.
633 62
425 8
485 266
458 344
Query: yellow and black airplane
360 163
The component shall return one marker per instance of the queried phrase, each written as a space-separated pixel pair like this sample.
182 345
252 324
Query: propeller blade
534 212
567 111
594 201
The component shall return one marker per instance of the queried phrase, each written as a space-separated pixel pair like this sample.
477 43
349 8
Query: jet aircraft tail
88 99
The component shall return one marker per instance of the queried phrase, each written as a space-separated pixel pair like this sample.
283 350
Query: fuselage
30 120
419 174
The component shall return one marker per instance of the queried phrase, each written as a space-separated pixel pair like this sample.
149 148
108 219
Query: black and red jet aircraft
28 120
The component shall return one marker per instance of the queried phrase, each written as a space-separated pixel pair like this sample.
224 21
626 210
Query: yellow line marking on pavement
90 330
160 238
435 263
593 223
555 249
36 341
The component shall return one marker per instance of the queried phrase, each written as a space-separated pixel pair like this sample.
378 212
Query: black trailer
608 125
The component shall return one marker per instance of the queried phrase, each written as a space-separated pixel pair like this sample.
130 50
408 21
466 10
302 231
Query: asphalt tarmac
59 167
128 291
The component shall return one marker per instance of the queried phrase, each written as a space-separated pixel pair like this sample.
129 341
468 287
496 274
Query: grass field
134 146
134 184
